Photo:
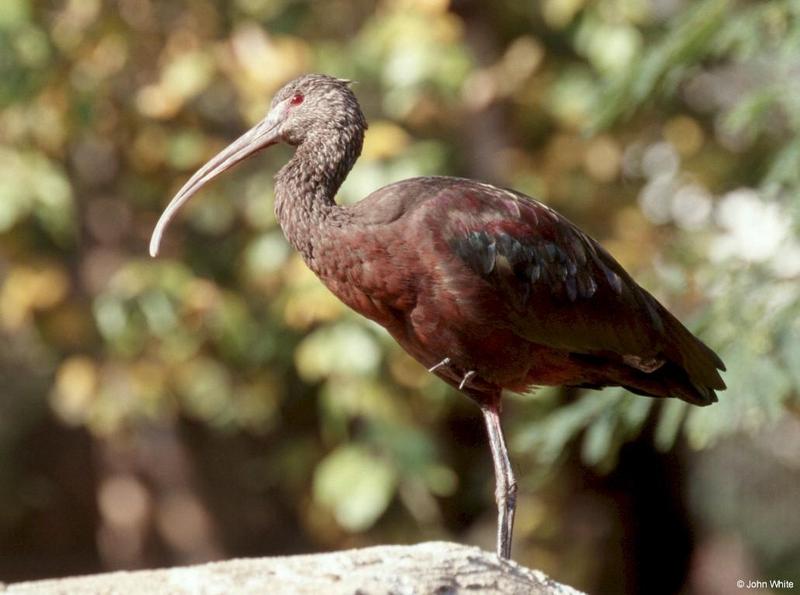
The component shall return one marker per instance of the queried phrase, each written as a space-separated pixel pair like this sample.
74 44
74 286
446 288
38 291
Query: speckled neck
305 188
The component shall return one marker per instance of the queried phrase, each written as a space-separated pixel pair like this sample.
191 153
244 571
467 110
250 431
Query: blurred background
219 402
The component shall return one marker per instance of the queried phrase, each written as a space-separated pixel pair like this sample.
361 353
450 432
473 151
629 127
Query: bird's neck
305 189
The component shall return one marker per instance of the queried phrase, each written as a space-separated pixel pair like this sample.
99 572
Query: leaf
356 485
599 439
783 170
549 436
791 355
673 412
757 391
345 348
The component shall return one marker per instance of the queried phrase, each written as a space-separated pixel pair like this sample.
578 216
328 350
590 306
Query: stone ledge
437 567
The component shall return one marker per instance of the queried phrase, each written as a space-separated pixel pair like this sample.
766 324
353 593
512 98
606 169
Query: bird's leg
435 367
506 491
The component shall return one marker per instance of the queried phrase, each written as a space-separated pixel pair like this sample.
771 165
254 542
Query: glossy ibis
486 287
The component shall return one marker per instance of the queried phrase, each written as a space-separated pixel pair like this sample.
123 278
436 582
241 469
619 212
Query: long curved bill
260 136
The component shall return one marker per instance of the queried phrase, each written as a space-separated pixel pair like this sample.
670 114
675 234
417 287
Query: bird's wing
558 286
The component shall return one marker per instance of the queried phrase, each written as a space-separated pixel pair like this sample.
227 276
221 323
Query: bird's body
486 287
503 286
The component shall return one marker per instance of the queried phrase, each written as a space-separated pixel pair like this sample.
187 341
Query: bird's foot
441 364
446 362
467 377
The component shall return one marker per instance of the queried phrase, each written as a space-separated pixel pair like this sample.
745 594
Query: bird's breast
367 274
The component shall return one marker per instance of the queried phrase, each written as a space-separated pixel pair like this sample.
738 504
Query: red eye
297 99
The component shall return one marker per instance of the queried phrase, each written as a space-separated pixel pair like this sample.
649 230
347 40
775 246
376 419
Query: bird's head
309 107
314 104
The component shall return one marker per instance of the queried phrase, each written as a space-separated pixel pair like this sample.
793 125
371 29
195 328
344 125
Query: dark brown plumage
486 287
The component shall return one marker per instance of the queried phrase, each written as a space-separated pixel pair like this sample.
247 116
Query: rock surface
437 568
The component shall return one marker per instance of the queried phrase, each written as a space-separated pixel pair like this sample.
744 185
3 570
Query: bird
489 289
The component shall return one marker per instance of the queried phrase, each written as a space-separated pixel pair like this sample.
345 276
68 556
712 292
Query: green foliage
356 485
687 42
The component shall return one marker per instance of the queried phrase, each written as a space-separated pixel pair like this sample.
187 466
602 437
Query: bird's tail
671 380
691 372
695 365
